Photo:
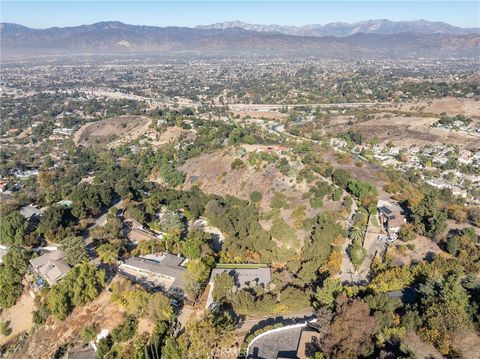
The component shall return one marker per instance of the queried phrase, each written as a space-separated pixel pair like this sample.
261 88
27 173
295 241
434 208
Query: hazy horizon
235 21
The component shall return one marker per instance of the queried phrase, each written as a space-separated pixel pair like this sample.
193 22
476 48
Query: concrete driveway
283 343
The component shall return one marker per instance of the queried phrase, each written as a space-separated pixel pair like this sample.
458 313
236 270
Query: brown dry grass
53 334
213 174
19 316
424 247
112 132
403 131
421 349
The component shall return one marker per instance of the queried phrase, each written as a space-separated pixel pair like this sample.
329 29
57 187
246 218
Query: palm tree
357 234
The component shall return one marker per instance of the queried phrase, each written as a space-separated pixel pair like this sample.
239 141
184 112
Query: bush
407 232
278 201
237 164
255 196
126 330
88 333
337 194
5 329
103 346
357 255
316 202
40 316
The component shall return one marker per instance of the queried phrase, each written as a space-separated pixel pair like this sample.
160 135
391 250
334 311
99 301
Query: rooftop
30 211
161 264
51 266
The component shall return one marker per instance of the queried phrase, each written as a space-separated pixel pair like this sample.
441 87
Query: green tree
108 253
357 254
74 247
88 333
326 294
80 286
11 274
12 228
159 307
222 287
171 223
444 309
407 232
196 277
357 234
202 336
428 218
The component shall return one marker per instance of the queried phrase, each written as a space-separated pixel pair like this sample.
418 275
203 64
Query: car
175 303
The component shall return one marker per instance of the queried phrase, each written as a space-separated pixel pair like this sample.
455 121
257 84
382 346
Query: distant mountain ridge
342 29
116 37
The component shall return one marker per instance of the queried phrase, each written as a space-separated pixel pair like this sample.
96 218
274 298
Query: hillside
116 37
216 173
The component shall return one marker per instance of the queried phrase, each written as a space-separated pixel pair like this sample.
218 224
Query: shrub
316 202
126 330
5 329
255 196
237 164
88 333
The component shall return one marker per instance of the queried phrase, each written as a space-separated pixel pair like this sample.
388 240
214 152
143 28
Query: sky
42 14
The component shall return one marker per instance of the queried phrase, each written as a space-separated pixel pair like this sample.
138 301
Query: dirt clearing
19 316
112 132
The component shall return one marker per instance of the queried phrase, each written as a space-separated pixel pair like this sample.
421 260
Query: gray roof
244 276
51 266
30 211
87 353
163 264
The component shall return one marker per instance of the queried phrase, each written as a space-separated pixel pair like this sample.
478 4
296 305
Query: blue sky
41 14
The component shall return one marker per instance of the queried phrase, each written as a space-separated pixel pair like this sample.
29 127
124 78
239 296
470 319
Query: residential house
137 233
159 270
51 266
391 216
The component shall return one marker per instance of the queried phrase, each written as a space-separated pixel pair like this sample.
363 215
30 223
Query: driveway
372 246
282 343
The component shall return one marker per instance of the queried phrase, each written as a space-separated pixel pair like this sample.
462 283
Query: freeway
237 107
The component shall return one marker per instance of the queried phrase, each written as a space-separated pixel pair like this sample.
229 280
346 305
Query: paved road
102 220
267 107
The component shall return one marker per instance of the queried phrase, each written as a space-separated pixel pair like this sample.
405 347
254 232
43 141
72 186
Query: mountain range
341 29
370 38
